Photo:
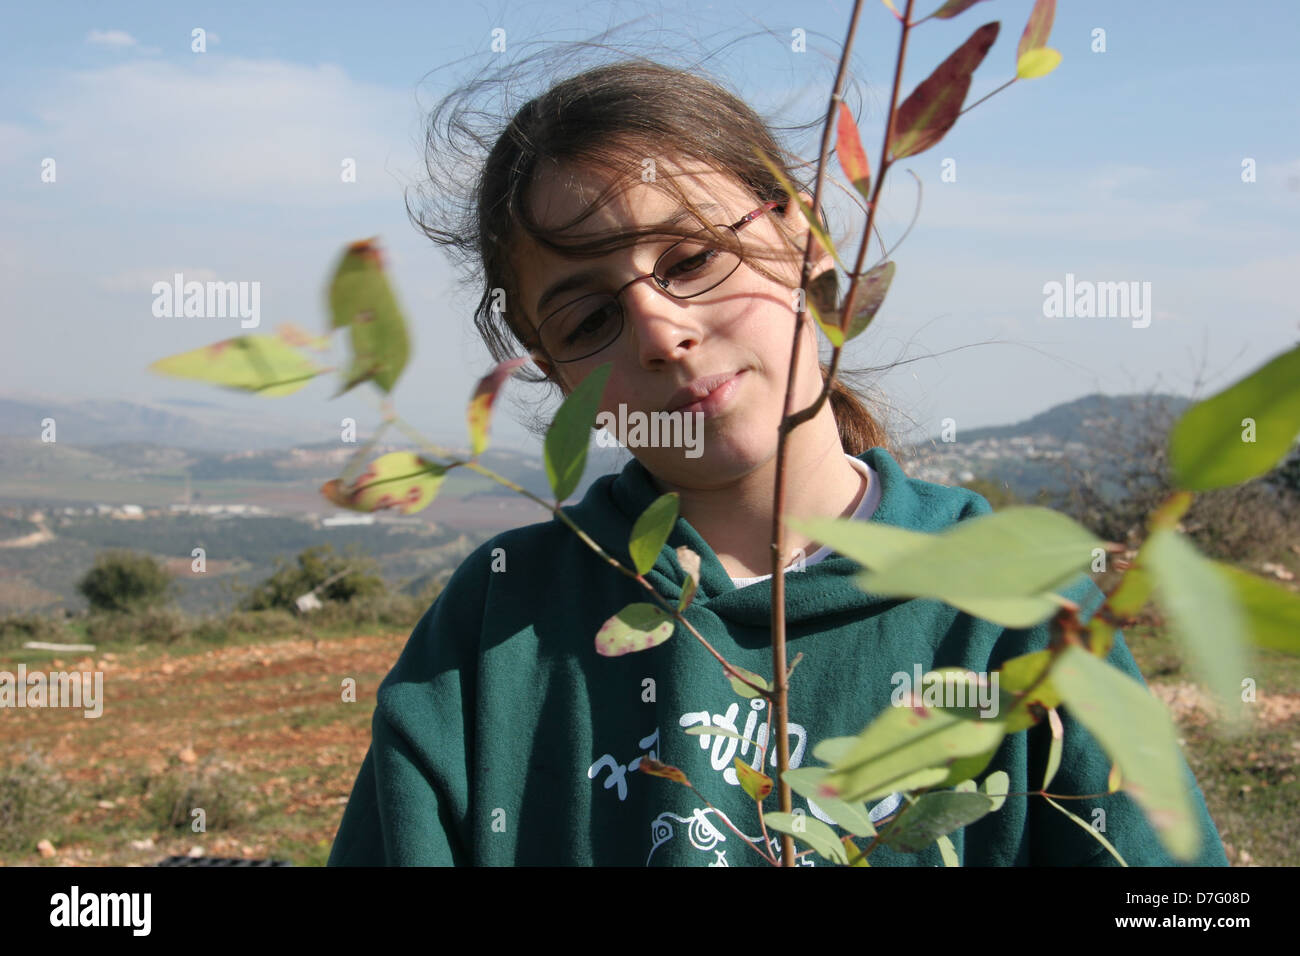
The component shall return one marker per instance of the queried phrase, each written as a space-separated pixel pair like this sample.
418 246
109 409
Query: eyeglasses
687 268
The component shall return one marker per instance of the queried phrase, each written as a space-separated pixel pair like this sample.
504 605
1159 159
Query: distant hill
1078 420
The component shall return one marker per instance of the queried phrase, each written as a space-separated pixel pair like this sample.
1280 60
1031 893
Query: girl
625 219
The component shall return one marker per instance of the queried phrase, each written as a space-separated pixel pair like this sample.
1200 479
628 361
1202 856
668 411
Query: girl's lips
716 400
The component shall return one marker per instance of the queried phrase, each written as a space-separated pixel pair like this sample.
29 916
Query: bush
212 786
33 798
273 623
349 576
401 611
17 629
124 581
149 626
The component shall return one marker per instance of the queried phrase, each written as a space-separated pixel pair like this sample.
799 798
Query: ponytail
859 430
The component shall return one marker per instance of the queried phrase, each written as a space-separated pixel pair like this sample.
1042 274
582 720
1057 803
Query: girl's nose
662 327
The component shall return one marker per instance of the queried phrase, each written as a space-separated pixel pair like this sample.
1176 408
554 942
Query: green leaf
362 301
811 832
996 787
1207 447
1133 592
868 297
952 8
1015 676
758 785
948 851
814 223
832 749
1013 553
906 748
400 480
907 556
1054 752
1272 612
1038 28
743 689
1136 732
479 413
935 815
933 107
854 817
690 562
1037 63
848 147
1095 833
635 628
1204 617
570 433
263 364
651 530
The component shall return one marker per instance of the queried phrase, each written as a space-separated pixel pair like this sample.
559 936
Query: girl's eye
691 264
592 326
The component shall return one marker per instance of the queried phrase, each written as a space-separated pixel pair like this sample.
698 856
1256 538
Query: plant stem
780 682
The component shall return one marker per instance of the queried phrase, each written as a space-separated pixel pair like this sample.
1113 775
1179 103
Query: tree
124 581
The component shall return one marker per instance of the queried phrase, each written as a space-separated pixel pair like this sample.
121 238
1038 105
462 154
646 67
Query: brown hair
613 118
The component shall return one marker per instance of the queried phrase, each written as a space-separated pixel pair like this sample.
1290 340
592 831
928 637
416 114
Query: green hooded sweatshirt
501 737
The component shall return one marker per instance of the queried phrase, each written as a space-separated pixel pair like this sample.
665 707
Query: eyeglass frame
622 312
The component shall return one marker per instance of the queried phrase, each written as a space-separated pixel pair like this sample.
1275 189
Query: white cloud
225 130
115 39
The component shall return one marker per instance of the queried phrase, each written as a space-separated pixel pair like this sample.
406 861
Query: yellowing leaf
667 771
400 480
264 364
757 785
1037 62
479 413
635 628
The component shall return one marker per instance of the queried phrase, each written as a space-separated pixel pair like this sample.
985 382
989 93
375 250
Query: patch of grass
211 785
33 801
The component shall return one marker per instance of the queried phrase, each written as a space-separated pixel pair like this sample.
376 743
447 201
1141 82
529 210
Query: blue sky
1121 166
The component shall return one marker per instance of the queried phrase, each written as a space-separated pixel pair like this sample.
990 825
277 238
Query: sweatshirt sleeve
409 805
1055 840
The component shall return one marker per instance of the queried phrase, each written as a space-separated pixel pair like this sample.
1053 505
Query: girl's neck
736 520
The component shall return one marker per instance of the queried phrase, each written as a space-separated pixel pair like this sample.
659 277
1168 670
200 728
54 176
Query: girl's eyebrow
580 279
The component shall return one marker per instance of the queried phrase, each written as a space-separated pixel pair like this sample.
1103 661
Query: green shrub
315 566
17 629
149 626
124 581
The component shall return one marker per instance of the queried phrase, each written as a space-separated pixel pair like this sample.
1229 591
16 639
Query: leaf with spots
667 771
400 480
479 413
637 627
755 783
362 301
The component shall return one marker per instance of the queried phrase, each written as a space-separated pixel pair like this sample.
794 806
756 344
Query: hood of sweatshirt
614 502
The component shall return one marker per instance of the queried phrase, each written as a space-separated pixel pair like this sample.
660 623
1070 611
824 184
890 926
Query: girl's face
740 331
